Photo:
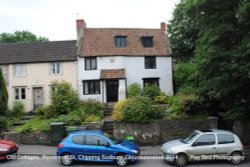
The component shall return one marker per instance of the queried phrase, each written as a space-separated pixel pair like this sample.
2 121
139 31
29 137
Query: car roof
96 132
216 131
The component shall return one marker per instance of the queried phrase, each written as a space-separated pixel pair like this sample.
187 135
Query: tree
20 36
3 95
222 56
183 31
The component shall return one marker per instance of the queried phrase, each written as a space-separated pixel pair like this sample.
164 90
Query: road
141 163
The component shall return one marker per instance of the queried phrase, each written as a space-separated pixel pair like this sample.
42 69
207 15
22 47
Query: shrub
93 107
139 110
161 99
151 91
64 98
117 114
17 109
3 122
3 94
91 118
134 90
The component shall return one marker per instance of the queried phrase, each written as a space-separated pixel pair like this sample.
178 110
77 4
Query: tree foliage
21 37
3 94
221 53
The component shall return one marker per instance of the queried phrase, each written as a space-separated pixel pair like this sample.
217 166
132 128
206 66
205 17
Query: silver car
211 144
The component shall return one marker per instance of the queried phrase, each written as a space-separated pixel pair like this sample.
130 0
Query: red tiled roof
100 42
112 74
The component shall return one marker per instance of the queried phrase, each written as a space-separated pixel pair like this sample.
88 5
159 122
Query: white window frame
20 70
56 68
18 94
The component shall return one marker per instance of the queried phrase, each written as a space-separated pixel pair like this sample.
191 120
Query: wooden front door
38 97
112 90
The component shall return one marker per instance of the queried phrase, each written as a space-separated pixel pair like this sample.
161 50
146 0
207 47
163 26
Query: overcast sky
55 19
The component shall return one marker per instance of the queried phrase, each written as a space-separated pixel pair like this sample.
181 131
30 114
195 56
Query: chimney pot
80 23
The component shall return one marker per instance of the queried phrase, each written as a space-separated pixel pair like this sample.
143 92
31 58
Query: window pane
205 140
77 139
23 95
120 41
150 63
58 68
93 65
95 140
87 64
16 94
225 139
86 88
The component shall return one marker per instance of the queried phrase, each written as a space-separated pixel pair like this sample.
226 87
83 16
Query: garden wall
160 131
43 138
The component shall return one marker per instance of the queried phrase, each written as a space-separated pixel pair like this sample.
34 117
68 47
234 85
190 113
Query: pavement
40 150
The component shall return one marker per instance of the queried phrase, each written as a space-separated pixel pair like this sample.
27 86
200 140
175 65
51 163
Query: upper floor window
147 42
20 93
90 63
20 70
150 62
120 41
55 68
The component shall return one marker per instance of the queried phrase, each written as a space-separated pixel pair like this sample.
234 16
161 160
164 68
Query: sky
56 19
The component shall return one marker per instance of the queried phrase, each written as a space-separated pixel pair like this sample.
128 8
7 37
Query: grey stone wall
160 131
5 71
43 138
242 129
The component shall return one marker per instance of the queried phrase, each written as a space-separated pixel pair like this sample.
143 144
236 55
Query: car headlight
4 149
134 151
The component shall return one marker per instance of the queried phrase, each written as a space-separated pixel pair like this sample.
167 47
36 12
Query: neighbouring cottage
110 59
29 69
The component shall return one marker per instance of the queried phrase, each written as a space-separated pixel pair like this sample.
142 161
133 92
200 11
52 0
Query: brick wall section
160 131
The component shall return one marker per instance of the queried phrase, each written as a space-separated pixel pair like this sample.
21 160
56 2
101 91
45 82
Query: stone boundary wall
160 131
42 138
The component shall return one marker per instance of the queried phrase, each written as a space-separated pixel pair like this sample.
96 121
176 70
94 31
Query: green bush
91 118
3 122
161 99
93 107
140 110
183 106
17 109
134 90
151 91
117 114
3 95
64 98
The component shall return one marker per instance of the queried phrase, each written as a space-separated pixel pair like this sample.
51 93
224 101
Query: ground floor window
150 81
20 93
91 87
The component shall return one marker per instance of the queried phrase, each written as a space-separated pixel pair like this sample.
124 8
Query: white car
211 144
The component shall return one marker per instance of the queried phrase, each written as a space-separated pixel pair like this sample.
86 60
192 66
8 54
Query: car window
207 139
78 139
225 138
95 140
189 138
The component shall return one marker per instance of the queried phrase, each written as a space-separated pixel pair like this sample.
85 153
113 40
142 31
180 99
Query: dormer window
120 41
147 42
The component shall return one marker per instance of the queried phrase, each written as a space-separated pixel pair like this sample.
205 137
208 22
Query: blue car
96 146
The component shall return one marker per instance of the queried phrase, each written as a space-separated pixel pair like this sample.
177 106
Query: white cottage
110 59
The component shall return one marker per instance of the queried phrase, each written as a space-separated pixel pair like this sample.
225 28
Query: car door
98 148
225 144
203 145
78 147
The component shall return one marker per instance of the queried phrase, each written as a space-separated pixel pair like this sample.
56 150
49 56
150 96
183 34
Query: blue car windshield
111 137
189 138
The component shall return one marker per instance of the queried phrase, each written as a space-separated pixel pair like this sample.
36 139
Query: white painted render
38 75
135 72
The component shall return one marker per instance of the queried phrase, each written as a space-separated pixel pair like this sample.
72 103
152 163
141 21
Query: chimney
163 26
80 27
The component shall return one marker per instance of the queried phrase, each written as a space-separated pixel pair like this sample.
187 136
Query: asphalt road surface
140 163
